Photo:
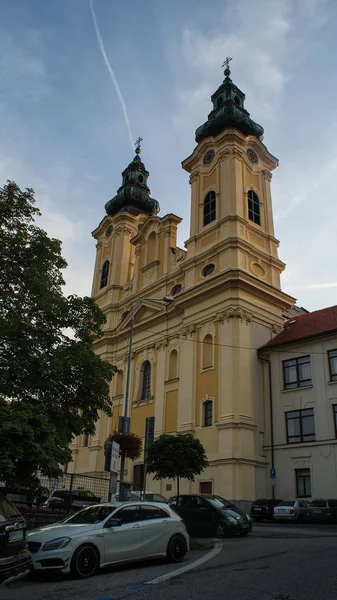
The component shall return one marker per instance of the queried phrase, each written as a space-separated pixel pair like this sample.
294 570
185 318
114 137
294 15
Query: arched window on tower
173 364
209 207
254 207
104 274
151 247
146 383
207 352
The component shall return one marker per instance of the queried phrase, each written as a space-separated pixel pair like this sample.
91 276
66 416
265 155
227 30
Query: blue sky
62 129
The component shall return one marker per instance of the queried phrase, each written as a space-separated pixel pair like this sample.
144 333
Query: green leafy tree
176 456
52 385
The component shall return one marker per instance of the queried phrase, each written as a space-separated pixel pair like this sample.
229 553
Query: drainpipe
267 360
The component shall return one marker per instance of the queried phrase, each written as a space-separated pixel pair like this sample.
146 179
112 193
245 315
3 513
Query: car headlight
60 542
232 520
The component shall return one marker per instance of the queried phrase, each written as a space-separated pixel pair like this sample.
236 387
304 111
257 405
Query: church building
195 365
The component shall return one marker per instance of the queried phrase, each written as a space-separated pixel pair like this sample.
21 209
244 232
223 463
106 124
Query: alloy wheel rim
177 548
86 561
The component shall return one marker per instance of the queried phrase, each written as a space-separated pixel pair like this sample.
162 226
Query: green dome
228 112
134 195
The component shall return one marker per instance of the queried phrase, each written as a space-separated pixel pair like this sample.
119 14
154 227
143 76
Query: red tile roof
306 326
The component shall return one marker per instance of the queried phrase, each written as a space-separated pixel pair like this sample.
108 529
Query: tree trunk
178 486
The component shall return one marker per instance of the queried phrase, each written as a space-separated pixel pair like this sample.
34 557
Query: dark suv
15 559
263 509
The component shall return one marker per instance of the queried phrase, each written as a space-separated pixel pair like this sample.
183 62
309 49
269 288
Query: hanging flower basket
130 444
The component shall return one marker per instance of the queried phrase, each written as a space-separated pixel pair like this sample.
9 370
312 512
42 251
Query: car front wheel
176 549
221 530
85 561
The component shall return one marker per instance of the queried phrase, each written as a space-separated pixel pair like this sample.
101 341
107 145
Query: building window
104 274
254 207
332 355
205 487
208 270
85 440
208 413
146 387
300 426
296 372
334 408
177 289
303 483
173 364
209 208
138 477
207 352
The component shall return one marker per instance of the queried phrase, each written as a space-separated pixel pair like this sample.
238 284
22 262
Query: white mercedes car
106 534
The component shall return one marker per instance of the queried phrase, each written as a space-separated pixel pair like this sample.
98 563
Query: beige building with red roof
301 406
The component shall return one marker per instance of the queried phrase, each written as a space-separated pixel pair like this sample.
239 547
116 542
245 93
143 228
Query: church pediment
145 310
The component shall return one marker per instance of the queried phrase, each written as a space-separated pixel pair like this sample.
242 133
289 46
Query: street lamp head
168 299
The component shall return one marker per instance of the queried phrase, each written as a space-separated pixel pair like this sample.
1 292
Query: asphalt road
275 562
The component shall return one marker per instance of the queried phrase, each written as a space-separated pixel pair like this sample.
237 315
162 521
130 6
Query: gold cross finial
137 144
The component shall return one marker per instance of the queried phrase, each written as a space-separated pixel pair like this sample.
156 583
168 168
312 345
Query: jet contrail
112 74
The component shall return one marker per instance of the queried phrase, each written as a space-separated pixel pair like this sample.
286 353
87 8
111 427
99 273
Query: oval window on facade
208 270
177 289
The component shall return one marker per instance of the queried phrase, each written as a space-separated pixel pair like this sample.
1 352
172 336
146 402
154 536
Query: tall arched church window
104 274
207 352
254 207
173 364
146 383
151 247
209 207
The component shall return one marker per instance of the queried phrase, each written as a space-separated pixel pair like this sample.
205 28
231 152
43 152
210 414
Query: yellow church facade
194 363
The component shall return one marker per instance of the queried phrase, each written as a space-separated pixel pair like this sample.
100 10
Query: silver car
291 510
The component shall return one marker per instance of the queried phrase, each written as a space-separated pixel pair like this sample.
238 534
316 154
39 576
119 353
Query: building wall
320 455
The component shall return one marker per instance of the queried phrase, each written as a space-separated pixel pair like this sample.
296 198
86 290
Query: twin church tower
195 366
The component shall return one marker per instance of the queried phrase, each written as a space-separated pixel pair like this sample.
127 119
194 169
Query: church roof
306 326
228 112
133 196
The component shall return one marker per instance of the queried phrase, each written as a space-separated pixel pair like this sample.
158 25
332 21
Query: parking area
267 540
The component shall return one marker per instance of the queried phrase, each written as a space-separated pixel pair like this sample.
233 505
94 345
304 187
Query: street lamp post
166 300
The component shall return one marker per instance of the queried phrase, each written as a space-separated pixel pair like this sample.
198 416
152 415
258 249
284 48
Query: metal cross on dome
137 144
227 61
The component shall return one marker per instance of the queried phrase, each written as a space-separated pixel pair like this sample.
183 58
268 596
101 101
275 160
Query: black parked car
263 509
205 515
322 510
69 499
15 559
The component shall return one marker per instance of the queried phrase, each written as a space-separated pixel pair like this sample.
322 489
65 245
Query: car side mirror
114 523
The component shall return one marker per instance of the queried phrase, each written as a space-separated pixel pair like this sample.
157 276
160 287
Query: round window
177 289
208 270
109 231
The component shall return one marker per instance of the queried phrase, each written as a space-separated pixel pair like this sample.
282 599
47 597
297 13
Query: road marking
217 548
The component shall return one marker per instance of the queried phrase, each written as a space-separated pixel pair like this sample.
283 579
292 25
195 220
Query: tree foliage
52 385
130 444
176 456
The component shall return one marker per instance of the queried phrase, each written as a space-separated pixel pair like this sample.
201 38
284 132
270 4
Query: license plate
316 511
257 508
14 536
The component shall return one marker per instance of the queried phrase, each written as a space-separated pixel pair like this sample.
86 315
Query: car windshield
90 516
217 503
7 510
318 503
155 497
287 503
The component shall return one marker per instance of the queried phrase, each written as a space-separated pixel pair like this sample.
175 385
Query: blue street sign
272 473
